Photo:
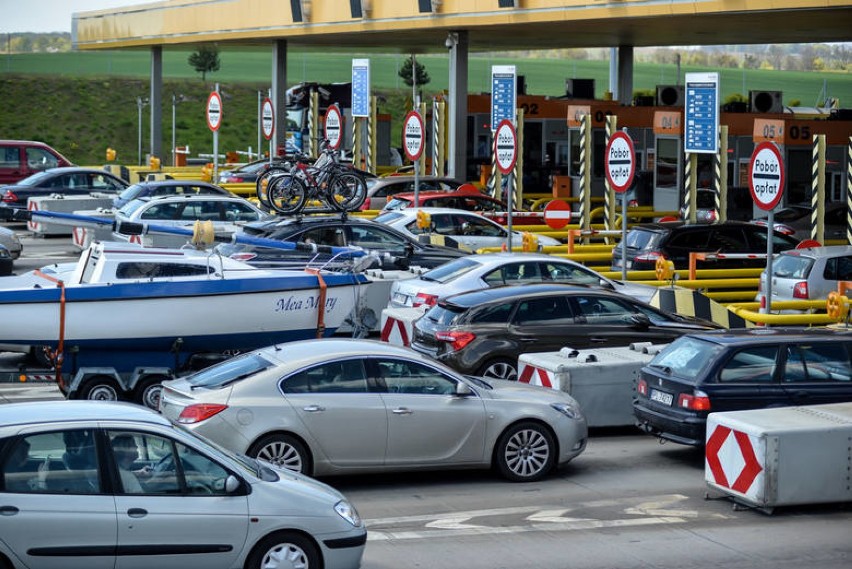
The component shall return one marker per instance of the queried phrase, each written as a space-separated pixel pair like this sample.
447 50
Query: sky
49 15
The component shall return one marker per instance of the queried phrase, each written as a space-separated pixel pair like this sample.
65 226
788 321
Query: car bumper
344 552
684 430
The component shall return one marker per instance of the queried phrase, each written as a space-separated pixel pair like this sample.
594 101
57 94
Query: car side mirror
232 484
606 284
463 389
639 320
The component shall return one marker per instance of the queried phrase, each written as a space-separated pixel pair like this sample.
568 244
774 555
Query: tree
205 60
405 72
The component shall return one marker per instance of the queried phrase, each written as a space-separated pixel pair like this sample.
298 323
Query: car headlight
569 410
348 512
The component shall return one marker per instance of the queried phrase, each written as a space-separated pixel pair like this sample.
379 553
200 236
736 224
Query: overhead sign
214 111
333 127
503 94
267 118
701 131
731 460
412 134
620 161
557 214
766 176
360 87
506 147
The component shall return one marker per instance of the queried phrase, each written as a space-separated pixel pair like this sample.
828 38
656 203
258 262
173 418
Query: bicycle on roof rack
340 186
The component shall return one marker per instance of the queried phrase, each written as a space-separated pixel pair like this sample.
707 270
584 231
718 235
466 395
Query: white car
474 272
469 229
11 241
96 485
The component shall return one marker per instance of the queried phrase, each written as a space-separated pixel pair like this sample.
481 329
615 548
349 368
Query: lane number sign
214 111
766 176
333 127
620 162
267 118
506 147
412 135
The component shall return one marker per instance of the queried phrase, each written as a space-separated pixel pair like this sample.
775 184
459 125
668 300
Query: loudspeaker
580 88
669 95
765 102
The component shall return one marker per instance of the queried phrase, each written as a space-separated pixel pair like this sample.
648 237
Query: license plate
661 397
400 298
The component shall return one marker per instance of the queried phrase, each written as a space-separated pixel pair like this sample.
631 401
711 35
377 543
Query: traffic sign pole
506 154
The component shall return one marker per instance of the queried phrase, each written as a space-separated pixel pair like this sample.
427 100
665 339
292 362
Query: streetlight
140 104
175 100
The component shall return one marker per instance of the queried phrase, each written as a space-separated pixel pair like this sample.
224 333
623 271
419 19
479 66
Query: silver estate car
338 406
808 274
97 485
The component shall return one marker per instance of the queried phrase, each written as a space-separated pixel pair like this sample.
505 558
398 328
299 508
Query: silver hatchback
91 485
808 274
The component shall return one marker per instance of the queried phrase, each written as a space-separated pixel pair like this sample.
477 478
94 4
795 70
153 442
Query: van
20 159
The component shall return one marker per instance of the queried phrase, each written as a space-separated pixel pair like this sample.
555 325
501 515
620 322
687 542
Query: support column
625 74
156 98
458 44
279 92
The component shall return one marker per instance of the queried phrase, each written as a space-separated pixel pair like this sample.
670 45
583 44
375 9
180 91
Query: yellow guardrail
750 311
243 189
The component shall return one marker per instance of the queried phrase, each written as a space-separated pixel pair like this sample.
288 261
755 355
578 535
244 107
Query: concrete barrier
57 203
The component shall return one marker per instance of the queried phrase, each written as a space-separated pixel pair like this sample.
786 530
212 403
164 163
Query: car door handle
402 411
137 512
313 408
8 510
597 340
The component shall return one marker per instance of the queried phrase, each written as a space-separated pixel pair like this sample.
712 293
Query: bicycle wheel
347 192
263 181
287 194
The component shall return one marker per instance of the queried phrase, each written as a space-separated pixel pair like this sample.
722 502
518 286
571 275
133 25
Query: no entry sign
620 162
333 127
267 118
766 176
214 111
412 135
557 214
505 147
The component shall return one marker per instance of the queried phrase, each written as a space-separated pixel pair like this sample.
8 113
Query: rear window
397 203
642 239
229 371
388 217
687 357
443 314
792 266
449 271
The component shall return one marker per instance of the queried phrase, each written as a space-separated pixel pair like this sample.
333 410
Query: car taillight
642 387
711 216
243 256
784 229
651 256
633 203
800 290
10 197
199 412
697 401
423 299
456 338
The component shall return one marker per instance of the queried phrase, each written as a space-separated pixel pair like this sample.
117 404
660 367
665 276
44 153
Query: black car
66 181
737 370
675 240
396 249
795 220
483 332
167 188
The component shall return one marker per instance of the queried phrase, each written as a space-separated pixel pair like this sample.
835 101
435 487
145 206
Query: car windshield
642 239
389 217
450 271
687 357
128 208
229 371
792 266
130 192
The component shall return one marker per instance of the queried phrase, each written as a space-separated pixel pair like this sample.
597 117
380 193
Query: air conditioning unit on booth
765 102
669 95
508 3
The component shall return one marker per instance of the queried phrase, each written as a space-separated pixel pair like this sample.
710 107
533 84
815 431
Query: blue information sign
701 124
503 94
360 87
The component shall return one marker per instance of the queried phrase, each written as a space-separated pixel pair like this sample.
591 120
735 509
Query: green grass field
82 102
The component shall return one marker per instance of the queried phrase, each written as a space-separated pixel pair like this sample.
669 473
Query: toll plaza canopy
422 25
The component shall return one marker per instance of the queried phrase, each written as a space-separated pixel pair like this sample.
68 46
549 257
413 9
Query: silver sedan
342 406
474 272
11 241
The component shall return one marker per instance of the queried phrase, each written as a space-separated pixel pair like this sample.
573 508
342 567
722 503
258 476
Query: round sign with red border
557 214
620 162
333 127
267 118
505 147
214 111
412 135
766 176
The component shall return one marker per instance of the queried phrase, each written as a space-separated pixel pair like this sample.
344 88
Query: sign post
412 142
214 121
766 184
620 166
333 126
506 156
267 119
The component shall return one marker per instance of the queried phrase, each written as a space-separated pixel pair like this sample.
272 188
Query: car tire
284 549
283 451
147 392
101 388
500 368
526 452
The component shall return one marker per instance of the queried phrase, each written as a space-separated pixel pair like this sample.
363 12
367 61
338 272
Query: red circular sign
267 118
506 147
620 162
766 176
214 111
557 214
412 135
333 127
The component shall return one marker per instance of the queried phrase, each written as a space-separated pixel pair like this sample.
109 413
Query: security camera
451 41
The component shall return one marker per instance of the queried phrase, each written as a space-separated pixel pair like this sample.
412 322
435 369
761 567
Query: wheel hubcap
285 556
527 452
501 370
103 393
282 455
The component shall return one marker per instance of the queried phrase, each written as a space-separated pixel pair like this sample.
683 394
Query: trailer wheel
100 388
148 391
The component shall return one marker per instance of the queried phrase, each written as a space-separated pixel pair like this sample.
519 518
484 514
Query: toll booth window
668 152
